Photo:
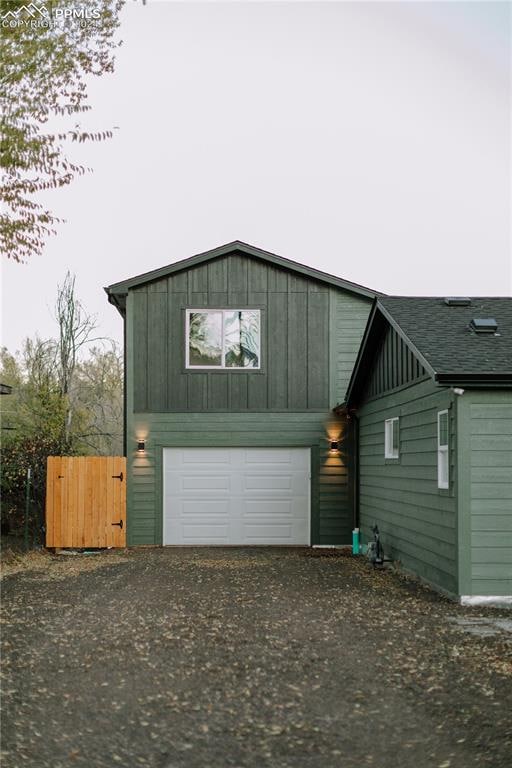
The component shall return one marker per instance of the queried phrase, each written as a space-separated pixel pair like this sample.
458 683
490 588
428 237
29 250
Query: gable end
393 366
117 292
387 359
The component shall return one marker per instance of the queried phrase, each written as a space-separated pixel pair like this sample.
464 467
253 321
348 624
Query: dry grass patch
222 563
50 567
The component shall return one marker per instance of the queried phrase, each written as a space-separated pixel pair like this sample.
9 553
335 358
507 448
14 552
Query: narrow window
222 338
443 454
391 439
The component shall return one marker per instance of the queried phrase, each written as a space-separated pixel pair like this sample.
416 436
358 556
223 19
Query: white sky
370 140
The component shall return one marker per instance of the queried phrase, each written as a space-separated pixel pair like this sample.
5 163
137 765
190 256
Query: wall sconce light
141 446
334 445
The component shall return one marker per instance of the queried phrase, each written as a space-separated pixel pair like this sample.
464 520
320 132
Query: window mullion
223 354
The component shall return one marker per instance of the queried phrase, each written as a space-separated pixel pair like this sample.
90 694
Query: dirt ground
262 658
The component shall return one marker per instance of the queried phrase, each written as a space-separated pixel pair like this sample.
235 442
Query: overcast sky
370 140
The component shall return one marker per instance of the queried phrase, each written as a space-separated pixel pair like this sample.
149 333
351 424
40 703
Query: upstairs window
391 439
443 453
223 338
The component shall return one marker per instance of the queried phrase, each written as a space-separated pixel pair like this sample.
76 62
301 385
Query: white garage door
236 495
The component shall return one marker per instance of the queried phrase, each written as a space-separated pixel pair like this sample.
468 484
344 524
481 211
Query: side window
443 452
391 438
223 338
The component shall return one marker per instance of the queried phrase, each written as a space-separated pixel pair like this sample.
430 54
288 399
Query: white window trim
443 453
389 427
222 367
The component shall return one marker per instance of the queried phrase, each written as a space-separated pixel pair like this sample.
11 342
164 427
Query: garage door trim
233 525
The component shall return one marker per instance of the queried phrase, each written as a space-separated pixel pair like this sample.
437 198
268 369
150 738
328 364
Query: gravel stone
245 658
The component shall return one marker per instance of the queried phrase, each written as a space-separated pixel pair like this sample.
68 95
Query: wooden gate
86 501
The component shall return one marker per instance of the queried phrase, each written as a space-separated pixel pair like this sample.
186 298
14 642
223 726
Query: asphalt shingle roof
443 336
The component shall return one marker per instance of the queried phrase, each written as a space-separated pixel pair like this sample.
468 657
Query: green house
235 360
430 398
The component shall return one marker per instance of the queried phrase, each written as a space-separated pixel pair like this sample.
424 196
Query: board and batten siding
310 339
416 519
298 337
395 365
485 502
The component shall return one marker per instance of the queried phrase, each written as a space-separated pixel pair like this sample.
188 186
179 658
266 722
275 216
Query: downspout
125 366
350 417
122 311
355 481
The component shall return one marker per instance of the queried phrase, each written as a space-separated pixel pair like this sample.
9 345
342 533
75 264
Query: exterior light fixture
141 446
334 445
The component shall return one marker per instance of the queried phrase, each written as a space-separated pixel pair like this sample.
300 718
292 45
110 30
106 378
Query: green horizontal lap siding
486 506
331 511
416 519
309 340
349 315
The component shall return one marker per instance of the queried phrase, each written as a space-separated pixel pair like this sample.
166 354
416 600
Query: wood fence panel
51 499
100 479
79 521
119 502
86 501
96 533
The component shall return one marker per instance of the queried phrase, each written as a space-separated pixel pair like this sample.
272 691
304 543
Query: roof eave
250 250
118 300
465 379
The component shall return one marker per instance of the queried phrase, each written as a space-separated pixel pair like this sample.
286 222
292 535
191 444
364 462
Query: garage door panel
197 488
287 486
200 507
263 483
283 534
200 531
250 502
268 456
270 509
205 483
198 456
263 532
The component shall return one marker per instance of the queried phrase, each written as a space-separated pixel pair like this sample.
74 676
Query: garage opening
236 496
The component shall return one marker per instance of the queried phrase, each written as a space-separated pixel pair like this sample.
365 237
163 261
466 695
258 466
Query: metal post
27 505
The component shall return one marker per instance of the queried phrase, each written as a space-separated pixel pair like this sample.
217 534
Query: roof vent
457 301
484 325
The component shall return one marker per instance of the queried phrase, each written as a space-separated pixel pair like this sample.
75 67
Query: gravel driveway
188 658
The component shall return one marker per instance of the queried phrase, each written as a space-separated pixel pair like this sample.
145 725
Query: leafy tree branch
43 76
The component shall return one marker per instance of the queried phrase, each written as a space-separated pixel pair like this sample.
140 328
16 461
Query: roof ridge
122 287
